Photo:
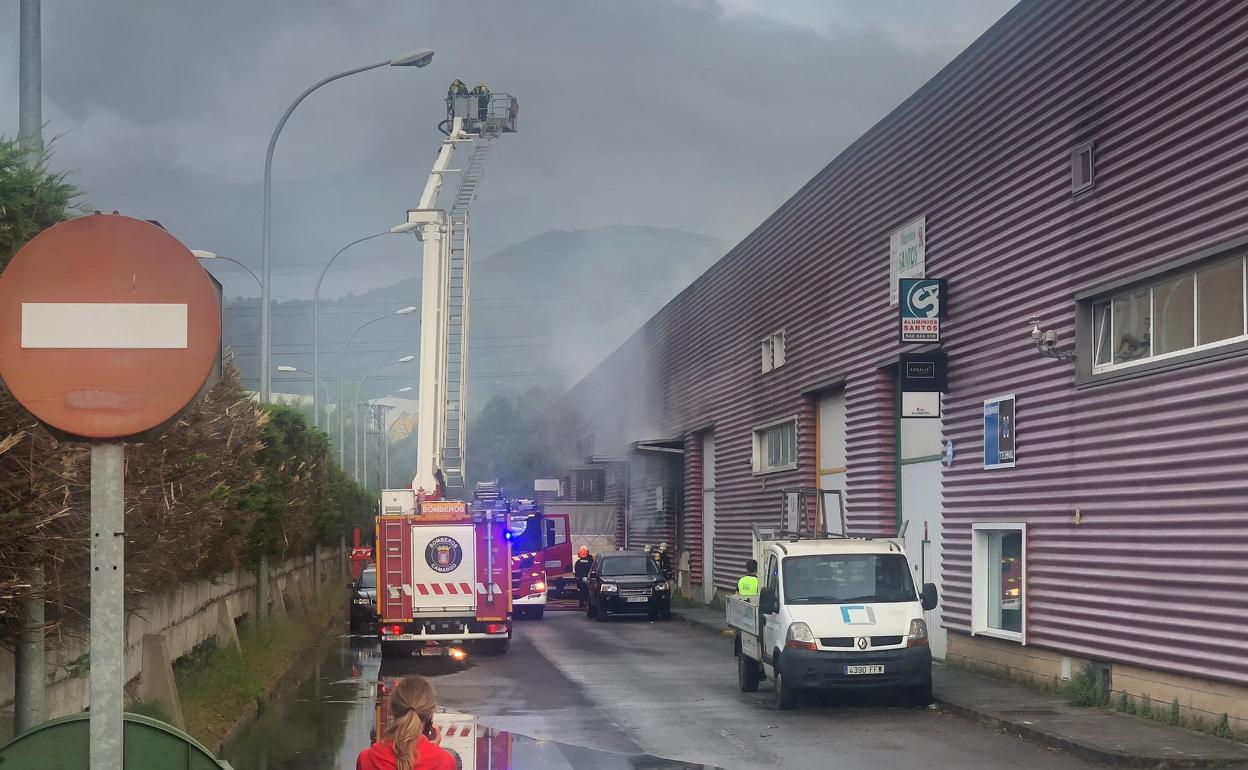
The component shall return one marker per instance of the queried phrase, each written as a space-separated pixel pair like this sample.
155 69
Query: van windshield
841 579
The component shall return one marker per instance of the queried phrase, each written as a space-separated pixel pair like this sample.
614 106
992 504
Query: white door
921 470
833 470
708 517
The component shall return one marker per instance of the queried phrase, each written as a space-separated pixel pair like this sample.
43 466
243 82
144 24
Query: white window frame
773 355
980 577
759 468
1151 286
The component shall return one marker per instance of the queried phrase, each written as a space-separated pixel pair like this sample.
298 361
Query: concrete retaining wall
185 616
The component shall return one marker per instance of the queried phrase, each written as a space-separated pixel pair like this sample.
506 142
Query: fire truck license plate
432 651
864 669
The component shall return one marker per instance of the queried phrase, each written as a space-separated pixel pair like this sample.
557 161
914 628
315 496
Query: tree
32 198
505 443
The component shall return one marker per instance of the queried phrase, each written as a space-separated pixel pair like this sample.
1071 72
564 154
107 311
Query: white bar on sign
120 325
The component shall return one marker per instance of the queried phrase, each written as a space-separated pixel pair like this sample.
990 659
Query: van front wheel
919 695
786 697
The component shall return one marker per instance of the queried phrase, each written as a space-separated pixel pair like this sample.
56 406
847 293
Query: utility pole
29 653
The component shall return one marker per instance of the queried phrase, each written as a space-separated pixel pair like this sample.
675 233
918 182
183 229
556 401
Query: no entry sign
109 327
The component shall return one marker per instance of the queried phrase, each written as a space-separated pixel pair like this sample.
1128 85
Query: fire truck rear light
539 586
496 628
391 630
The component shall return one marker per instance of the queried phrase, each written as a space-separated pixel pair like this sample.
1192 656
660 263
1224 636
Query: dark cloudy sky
701 115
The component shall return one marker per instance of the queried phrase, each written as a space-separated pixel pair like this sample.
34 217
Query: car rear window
368 579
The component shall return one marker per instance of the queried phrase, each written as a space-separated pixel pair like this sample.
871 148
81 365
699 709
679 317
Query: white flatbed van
833 613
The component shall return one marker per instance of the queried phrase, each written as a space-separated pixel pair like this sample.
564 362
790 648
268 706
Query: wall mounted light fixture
1047 343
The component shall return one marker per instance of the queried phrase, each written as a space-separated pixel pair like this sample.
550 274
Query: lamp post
324 387
355 405
342 357
201 254
419 58
406 227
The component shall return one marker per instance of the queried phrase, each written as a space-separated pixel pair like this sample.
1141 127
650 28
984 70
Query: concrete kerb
703 624
1075 748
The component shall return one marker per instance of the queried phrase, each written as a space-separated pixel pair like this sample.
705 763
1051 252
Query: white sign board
906 255
546 485
920 404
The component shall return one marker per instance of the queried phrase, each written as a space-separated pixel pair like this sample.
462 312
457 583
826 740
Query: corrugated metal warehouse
1082 163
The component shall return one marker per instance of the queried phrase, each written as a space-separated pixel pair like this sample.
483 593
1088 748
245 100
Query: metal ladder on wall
456 363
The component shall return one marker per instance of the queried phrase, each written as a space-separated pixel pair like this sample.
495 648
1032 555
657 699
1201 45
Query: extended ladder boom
474 117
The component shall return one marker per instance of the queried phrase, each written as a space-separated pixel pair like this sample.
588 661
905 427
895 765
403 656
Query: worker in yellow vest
748 584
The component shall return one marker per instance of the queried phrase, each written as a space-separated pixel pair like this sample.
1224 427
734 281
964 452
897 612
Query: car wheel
665 612
786 697
601 611
920 695
747 673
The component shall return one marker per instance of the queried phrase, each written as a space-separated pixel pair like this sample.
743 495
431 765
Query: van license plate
864 669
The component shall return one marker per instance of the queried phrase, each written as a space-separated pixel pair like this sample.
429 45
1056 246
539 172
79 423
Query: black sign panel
924 372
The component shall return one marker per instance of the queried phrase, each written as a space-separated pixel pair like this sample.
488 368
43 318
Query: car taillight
496 628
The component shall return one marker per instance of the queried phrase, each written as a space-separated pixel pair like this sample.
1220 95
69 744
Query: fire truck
541 550
443 570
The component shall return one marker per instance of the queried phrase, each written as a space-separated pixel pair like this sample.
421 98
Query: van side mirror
768 600
929 596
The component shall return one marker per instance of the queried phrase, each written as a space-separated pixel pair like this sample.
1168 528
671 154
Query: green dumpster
63 744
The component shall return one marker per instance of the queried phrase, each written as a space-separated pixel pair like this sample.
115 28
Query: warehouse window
1082 169
773 352
775 447
998 580
1197 309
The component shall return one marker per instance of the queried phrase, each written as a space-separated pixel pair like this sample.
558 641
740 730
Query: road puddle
331 715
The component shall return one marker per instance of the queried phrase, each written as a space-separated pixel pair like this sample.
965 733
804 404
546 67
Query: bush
1172 717
1088 687
1146 706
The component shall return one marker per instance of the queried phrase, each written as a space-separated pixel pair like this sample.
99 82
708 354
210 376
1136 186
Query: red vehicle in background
541 550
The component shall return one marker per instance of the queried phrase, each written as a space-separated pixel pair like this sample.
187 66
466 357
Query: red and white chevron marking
443 589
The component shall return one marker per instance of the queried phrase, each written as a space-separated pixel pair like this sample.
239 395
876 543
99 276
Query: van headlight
800 637
918 633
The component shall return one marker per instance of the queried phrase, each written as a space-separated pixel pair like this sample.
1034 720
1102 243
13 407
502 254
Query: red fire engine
443 576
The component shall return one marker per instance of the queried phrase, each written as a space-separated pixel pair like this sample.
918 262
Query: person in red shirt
409 741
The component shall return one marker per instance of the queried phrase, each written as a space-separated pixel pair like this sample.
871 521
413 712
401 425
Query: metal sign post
109 329
108 631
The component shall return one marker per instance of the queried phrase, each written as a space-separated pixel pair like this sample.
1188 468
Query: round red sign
109 326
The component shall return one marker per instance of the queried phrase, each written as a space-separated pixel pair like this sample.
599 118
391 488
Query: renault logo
862 642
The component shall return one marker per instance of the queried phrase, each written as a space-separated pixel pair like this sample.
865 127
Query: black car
364 599
628 582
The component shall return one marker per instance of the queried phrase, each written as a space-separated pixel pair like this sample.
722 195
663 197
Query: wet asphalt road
632 686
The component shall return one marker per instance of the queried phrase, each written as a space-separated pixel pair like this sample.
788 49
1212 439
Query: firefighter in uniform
664 561
581 570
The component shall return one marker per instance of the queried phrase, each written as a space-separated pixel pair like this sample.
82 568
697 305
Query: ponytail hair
412 703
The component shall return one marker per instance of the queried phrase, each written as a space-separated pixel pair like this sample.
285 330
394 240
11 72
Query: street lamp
385 441
201 254
355 405
419 58
293 369
406 227
342 357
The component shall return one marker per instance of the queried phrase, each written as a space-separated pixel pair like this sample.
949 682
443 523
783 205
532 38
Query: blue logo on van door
857 615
